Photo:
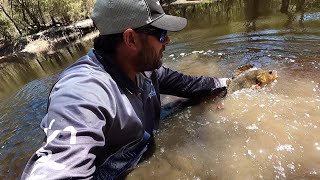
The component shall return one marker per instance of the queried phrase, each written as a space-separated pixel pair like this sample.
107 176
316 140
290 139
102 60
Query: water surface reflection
19 126
19 69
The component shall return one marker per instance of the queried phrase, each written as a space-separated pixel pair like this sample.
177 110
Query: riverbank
48 40
189 1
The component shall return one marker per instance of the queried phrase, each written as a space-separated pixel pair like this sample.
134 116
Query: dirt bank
189 1
48 40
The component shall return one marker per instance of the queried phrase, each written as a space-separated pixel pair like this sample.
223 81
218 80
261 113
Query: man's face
151 52
149 57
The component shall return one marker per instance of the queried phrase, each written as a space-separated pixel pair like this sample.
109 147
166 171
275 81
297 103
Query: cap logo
149 20
158 3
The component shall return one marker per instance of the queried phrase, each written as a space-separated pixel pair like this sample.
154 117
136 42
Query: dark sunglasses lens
163 36
159 33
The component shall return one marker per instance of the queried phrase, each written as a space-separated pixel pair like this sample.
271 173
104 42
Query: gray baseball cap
115 16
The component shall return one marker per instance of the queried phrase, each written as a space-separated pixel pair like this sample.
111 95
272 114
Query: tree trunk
54 22
25 18
41 14
301 5
13 22
285 6
33 18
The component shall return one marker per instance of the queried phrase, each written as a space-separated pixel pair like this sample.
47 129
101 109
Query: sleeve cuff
224 82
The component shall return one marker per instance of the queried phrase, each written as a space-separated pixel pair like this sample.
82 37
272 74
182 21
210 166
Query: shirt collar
123 81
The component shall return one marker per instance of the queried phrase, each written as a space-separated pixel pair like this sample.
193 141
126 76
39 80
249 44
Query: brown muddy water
270 133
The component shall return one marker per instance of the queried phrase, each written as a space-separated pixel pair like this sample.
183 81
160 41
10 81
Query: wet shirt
99 122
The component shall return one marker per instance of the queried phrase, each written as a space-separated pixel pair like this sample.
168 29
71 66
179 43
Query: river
269 133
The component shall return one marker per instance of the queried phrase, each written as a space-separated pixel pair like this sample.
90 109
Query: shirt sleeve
75 124
174 83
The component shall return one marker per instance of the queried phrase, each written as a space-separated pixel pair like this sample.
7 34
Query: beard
148 59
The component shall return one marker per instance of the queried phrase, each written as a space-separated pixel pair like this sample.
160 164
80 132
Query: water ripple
20 118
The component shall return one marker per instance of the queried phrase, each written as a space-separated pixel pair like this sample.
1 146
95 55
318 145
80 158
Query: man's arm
177 84
74 127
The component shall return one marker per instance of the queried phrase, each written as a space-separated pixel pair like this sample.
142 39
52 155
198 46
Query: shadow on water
267 134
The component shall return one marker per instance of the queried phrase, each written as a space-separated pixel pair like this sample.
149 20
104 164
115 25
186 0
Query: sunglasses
153 31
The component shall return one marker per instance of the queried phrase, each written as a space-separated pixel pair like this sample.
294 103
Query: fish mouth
275 74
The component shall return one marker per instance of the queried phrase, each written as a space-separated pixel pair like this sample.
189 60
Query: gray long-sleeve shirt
99 122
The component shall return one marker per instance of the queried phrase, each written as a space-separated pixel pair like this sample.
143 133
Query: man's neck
123 62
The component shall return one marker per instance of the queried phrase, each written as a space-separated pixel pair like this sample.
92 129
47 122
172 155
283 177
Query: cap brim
170 23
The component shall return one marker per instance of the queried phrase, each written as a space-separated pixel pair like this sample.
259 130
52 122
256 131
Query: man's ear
130 38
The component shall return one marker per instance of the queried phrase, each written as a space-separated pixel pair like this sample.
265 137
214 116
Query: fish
248 76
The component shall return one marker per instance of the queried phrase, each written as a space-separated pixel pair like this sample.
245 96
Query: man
104 108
